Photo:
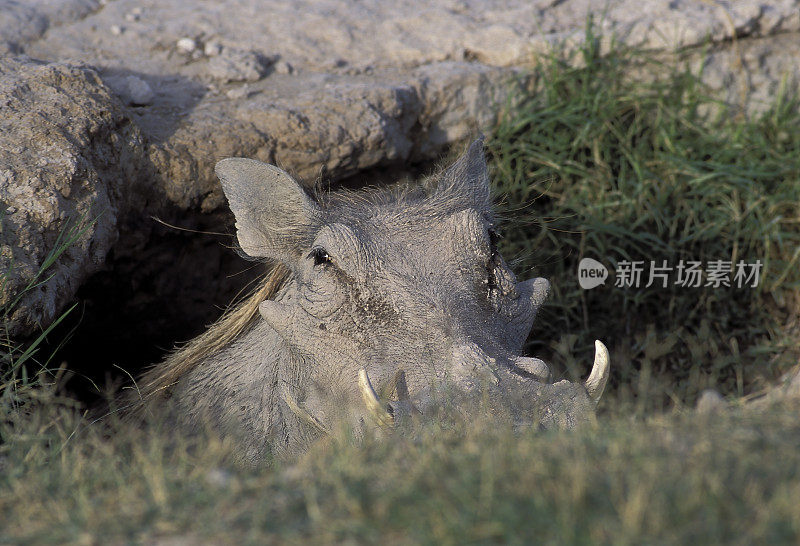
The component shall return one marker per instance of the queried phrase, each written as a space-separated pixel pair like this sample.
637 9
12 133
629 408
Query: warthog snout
384 412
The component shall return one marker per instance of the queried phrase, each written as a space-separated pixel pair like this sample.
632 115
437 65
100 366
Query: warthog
399 291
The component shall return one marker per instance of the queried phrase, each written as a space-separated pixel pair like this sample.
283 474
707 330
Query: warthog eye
320 256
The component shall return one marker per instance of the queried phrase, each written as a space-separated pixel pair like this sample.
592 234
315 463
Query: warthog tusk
373 403
596 383
301 412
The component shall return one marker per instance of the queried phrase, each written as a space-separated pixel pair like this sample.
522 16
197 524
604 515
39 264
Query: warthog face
400 292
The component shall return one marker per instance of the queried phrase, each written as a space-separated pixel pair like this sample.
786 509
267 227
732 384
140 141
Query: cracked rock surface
371 83
66 151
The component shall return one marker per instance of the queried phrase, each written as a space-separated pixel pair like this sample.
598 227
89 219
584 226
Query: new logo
591 273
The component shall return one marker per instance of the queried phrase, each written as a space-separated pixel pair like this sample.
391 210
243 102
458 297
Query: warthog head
398 297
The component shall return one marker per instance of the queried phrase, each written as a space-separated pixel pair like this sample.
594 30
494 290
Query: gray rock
236 65
139 91
212 48
753 72
345 57
22 21
9 48
283 67
238 92
64 152
313 124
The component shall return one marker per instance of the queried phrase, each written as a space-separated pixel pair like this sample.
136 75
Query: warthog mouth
385 415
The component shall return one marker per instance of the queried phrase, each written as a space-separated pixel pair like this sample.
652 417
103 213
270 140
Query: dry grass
732 477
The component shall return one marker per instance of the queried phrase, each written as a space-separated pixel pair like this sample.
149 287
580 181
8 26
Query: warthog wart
399 291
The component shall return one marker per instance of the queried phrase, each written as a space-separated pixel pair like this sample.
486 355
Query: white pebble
116 30
212 49
238 92
283 67
131 17
186 45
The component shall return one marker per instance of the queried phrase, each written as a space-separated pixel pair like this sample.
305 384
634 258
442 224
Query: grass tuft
22 368
594 163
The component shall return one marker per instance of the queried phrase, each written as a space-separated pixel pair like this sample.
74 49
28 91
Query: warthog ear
465 184
274 216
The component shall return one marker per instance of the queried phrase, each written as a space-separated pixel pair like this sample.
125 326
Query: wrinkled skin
389 281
